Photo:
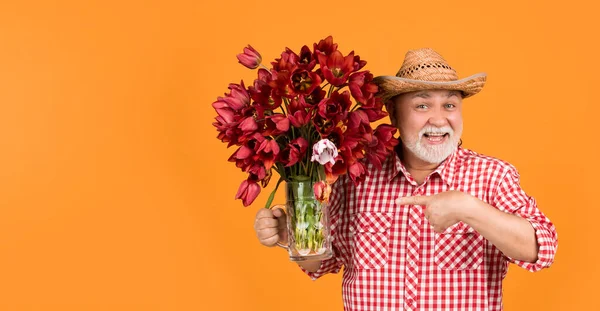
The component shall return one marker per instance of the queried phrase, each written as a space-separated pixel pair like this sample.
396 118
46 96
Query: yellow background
116 195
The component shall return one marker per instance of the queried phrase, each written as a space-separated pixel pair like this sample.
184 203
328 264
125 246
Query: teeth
436 134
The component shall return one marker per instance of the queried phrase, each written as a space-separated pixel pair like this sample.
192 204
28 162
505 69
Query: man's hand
443 209
270 226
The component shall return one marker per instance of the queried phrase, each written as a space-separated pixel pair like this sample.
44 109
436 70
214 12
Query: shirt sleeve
512 199
333 264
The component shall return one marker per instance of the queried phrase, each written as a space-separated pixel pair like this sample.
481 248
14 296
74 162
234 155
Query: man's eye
422 106
450 106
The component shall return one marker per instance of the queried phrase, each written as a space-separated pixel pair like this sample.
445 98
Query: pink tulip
250 58
324 151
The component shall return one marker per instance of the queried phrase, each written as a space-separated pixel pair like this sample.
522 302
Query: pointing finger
413 200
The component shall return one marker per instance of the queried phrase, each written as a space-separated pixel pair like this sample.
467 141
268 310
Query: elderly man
437 226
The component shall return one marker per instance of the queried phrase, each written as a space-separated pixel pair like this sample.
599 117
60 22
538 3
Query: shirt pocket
370 235
459 247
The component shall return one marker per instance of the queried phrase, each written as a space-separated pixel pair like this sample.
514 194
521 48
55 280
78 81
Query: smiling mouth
436 137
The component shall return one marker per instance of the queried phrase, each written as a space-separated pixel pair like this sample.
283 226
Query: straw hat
425 69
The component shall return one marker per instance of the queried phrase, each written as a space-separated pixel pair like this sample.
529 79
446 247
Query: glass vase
307 223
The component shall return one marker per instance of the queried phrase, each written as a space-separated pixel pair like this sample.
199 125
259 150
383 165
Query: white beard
433 154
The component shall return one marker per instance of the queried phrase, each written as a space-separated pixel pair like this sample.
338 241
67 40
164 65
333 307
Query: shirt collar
446 169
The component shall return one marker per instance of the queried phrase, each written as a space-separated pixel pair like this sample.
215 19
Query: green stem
281 171
286 103
272 196
330 90
321 172
304 166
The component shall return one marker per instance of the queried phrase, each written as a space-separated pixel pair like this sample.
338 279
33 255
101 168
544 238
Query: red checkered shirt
392 258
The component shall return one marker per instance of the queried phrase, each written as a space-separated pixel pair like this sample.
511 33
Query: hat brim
390 86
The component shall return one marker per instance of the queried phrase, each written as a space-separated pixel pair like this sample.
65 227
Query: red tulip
337 136
336 68
260 92
293 152
305 82
245 156
231 110
373 109
298 115
307 61
358 63
250 58
351 149
361 86
249 157
335 108
359 126
357 119
323 125
325 47
287 62
315 97
382 145
237 99
225 113
357 172
248 191
248 125
229 130
276 124
258 170
281 85
267 152
332 172
242 157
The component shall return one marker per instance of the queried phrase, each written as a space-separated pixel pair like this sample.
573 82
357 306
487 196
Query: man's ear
391 109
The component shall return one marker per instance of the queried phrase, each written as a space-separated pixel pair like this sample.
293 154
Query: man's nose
438 119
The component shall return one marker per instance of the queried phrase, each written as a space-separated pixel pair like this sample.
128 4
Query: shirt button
411 263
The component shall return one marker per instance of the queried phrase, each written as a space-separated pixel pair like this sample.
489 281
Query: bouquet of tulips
307 117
